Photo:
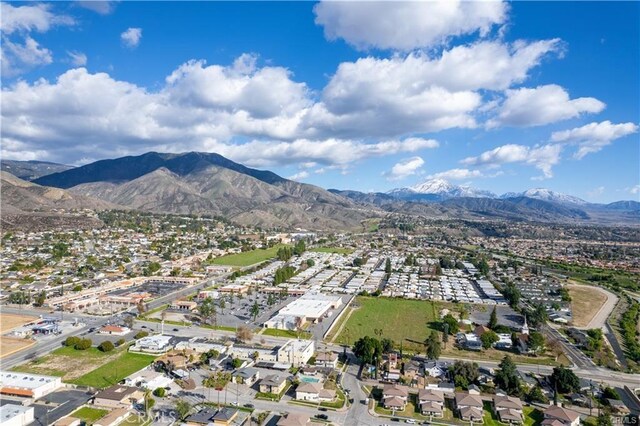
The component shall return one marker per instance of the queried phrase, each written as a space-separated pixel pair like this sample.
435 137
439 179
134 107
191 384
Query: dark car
322 409
322 416
248 405
175 329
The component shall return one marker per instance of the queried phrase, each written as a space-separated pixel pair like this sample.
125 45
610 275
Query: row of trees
628 324
283 274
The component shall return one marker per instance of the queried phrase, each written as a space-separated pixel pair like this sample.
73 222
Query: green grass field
114 371
337 250
89 414
286 333
248 257
399 319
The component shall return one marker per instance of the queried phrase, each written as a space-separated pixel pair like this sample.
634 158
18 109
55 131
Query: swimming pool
309 379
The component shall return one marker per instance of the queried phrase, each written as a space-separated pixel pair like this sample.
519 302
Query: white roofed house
314 392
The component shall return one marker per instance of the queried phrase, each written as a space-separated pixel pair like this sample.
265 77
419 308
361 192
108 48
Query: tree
604 419
217 380
387 345
140 335
488 338
207 310
445 333
160 392
182 408
536 342
310 263
236 363
222 305
299 248
244 334
512 294
41 298
564 380
128 321
120 342
506 377
493 319
106 346
83 344
71 341
433 346
610 393
387 266
464 373
141 307
368 349
452 323
536 395
255 310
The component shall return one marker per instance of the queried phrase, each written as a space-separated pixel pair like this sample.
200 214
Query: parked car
249 405
410 421
175 329
322 409
322 416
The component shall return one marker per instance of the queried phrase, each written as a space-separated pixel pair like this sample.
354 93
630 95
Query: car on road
410 421
322 409
175 329
235 404
248 405
322 416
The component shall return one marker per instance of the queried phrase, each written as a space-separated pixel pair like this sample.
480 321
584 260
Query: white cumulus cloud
594 136
131 37
299 176
405 168
541 105
542 157
406 25
19 52
457 174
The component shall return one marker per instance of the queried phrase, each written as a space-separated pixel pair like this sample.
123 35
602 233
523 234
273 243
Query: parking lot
237 311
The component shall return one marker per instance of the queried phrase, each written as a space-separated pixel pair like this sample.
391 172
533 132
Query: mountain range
208 183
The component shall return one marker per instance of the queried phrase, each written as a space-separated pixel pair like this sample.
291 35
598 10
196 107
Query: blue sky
365 96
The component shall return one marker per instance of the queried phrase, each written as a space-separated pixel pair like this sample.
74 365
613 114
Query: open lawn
89 414
11 321
532 416
586 302
286 333
248 257
399 319
114 371
338 250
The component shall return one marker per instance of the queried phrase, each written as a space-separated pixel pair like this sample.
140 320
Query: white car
410 421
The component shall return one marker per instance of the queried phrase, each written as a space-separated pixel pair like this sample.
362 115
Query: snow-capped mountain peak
440 189
546 195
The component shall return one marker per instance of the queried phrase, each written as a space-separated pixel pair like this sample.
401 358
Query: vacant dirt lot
68 362
11 321
590 305
9 345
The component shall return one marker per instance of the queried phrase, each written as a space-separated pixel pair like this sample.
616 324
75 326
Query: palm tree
255 310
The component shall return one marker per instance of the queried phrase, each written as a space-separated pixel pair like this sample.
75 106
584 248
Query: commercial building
157 344
16 415
28 385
